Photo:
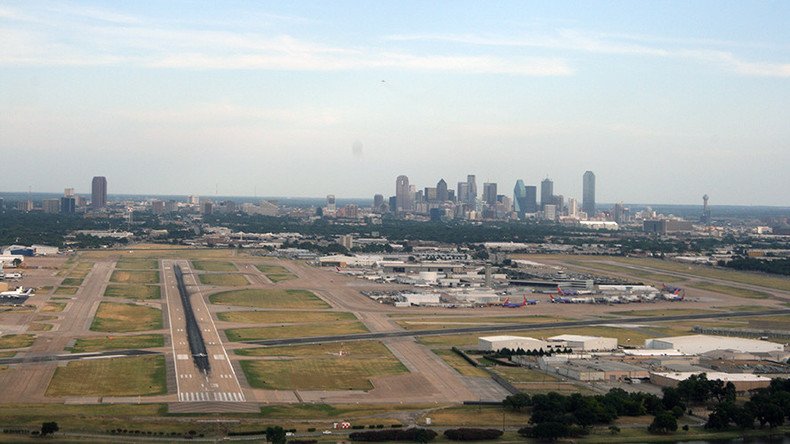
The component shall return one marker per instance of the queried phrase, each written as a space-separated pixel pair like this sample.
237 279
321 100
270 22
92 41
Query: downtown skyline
665 103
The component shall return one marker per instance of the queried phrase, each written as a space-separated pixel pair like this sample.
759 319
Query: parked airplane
19 292
562 292
670 289
509 304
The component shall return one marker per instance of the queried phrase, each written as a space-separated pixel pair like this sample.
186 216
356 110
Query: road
193 385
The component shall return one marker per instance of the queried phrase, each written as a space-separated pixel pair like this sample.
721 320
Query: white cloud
109 38
574 40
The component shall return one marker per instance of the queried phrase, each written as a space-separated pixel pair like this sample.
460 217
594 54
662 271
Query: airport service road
221 383
515 327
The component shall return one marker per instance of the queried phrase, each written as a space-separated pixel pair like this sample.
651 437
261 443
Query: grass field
465 416
641 274
132 376
662 312
295 331
732 291
117 343
269 298
224 280
751 278
213 266
324 368
68 291
458 363
52 307
428 323
137 264
327 411
90 418
534 381
39 326
284 317
275 273
135 277
115 317
71 282
139 292
159 251
16 341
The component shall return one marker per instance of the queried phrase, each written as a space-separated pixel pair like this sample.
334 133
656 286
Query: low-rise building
698 344
586 343
496 343
742 381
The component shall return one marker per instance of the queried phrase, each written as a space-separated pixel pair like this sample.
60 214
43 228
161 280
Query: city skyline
277 97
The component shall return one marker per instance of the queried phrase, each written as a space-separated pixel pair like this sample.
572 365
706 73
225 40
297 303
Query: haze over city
665 104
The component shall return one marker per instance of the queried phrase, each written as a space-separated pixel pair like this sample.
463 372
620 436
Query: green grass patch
743 277
214 266
325 371
640 274
430 323
484 416
284 317
295 331
71 282
224 280
460 364
16 341
731 291
662 312
137 264
39 326
93 344
67 291
132 376
115 317
90 418
52 307
139 292
275 273
135 277
269 298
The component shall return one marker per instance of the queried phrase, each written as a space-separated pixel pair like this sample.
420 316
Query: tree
275 435
664 422
517 402
48 428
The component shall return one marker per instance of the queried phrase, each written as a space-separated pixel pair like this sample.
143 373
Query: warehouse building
698 344
742 381
586 343
496 343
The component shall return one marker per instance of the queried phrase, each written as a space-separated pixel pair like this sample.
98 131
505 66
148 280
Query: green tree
664 422
49 428
275 435
517 402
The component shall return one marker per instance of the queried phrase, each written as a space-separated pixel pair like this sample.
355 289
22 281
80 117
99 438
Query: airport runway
220 384
514 327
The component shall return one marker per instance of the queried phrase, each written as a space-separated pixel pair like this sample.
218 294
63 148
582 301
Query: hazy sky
664 101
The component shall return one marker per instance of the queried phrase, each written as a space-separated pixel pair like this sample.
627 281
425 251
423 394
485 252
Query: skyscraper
403 195
441 191
463 192
489 193
378 201
519 197
471 189
546 193
99 192
331 206
531 199
588 193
